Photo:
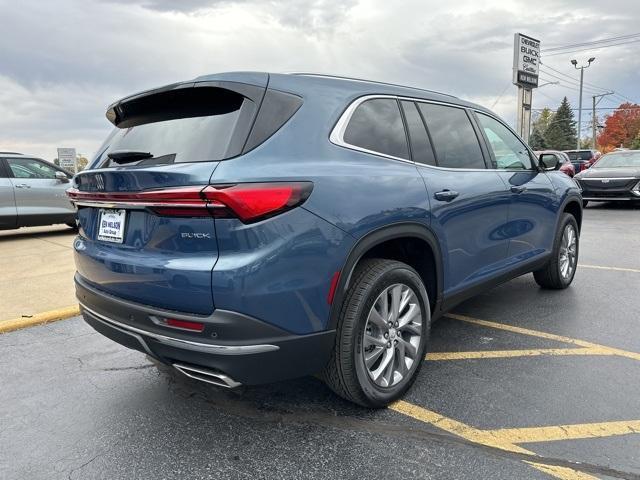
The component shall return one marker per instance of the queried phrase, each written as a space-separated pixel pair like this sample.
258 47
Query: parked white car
32 192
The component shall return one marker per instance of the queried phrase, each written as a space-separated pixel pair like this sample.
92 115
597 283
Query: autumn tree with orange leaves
621 128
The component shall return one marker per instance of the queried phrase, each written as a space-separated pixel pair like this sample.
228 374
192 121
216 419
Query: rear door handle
518 189
446 195
22 185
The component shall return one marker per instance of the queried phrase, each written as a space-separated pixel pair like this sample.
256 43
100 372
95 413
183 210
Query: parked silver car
32 192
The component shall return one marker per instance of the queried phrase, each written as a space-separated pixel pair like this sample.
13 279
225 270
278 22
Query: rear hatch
146 232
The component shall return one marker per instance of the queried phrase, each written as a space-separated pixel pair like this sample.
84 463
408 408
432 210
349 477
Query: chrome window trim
180 343
337 133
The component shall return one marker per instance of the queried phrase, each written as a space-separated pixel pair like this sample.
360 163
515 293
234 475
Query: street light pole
593 115
581 68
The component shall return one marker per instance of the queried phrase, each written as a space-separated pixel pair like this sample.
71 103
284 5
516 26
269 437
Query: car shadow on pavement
60 232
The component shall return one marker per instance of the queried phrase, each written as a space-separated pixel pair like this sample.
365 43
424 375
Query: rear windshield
185 125
583 155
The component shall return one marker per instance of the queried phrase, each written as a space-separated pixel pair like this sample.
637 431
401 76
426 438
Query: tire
585 203
553 275
374 282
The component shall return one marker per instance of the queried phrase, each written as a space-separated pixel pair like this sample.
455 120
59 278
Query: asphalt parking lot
519 383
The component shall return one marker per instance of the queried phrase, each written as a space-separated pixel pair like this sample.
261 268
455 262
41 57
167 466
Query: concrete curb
39 318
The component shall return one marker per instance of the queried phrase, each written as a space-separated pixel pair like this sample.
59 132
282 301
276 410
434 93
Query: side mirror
62 177
548 161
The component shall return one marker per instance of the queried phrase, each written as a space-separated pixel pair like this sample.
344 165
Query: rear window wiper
128 156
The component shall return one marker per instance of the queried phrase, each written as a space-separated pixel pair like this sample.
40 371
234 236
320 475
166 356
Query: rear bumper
244 349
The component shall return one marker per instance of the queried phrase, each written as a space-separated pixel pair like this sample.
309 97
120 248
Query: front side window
376 125
30 168
454 139
509 152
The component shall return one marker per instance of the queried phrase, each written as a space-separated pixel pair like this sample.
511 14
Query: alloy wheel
392 335
568 251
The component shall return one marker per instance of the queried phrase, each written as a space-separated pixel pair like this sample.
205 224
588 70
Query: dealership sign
526 61
67 158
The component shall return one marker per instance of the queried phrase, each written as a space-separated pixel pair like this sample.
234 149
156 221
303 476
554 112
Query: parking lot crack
77 469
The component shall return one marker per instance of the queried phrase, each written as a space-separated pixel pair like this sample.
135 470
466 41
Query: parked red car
583 159
563 160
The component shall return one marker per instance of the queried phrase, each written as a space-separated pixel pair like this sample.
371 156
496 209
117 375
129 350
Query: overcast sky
63 62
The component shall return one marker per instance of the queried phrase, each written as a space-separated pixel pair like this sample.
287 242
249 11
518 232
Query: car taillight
254 201
249 202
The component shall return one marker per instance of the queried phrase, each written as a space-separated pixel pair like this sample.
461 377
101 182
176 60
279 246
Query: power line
572 83
596 47
500 96
575 79
593 42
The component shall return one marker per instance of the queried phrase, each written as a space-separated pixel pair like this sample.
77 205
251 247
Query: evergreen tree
539 127
561 133
536 139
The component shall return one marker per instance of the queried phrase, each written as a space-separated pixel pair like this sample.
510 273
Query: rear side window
581 155
376 125
421 151
185 125
454 139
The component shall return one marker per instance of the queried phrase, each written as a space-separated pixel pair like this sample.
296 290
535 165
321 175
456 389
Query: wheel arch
390 236
573 206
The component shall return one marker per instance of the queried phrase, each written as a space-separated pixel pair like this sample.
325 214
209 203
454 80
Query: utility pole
581 68
599 97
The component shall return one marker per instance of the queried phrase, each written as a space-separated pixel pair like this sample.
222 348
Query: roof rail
11 153
339 77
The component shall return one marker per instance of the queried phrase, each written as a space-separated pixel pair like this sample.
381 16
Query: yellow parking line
617 269
483 437
39 318
455 427
549 336
536 352
562 472
567 432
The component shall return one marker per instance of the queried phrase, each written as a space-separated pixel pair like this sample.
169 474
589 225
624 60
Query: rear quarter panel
286 263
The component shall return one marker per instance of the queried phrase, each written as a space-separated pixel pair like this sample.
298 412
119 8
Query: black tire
585 203
346 373
551 276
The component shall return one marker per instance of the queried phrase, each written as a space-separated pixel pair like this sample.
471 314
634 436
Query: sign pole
525 96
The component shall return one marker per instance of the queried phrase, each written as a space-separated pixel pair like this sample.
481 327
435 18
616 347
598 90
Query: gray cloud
62 63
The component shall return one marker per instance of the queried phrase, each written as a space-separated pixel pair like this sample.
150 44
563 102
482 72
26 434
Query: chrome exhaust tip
203 374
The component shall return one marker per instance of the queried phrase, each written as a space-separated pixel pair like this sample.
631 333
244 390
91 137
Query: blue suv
250 227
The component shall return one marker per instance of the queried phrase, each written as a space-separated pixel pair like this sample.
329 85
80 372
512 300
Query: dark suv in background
582 159
251 227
